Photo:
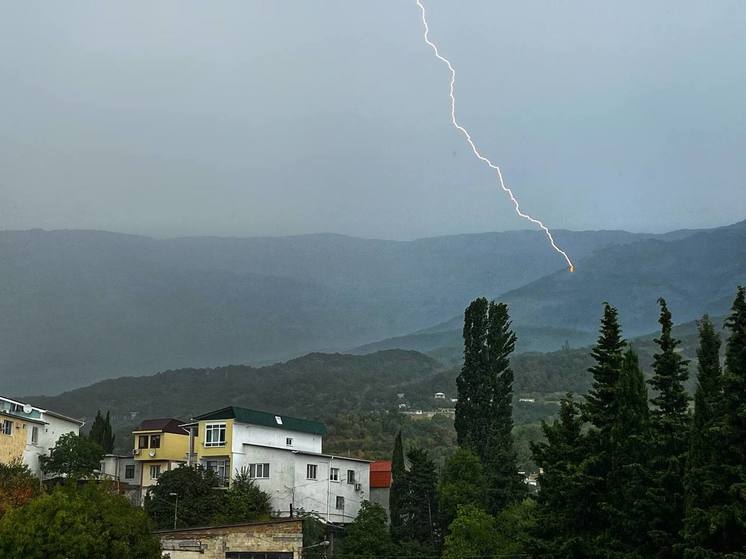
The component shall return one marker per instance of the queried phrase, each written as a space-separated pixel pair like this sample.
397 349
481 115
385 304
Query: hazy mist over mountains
82 306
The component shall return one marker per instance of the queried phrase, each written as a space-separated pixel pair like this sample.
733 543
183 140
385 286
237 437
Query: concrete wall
213 543
288 482
276 437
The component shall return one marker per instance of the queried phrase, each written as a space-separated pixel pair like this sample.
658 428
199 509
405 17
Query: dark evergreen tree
601 403
484 409
107 439
703 475
420 504
96 433
629 476
564 512
398 488
601 410
670 438
101 432
472 383
504 485
717 527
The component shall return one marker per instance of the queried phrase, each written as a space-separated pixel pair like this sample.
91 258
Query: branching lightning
473 146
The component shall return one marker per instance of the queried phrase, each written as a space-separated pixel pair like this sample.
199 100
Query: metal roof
254 417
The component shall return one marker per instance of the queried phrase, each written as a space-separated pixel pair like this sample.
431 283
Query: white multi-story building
284 456
28 432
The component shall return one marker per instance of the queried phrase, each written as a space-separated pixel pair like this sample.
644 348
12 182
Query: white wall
287 482
273 436
49 434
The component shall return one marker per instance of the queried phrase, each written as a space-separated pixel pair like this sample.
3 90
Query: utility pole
176 507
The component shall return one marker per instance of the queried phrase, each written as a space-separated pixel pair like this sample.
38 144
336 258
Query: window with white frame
34 434
215 434
220 467
289 441
129 471
334 474
155 472
340 504
258 471
7 427
350 476
311 470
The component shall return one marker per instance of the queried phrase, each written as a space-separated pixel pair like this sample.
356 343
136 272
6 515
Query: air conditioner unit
358 487
135 451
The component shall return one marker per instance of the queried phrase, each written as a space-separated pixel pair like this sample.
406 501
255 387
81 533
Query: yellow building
28 432
159 445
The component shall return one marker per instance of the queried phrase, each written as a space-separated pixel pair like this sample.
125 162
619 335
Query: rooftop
265 419
165 424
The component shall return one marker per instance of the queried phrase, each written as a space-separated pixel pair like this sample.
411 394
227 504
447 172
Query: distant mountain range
696 273
81 306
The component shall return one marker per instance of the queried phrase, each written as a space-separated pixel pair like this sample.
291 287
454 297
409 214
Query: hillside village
223 483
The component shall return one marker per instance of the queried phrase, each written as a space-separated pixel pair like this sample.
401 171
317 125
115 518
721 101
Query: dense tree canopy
17 486
199 499
72 456
77 521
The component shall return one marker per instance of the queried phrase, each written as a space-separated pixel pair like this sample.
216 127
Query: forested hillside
695 275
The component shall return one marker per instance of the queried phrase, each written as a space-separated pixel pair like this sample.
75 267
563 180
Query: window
340 505
34 435
155 441
142 441
311 471
289 441
129 471
215 434
7 427
155 472
334 474
350 476
220 467
278 420
258 471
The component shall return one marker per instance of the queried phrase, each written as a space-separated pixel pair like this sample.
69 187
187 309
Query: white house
284 456
28 432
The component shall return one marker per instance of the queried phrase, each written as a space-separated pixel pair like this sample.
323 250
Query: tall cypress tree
107 436
504 484
472 382
704 474
398 488
670 437
96 434
484 409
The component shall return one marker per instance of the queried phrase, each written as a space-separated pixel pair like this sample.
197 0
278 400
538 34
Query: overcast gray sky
267 118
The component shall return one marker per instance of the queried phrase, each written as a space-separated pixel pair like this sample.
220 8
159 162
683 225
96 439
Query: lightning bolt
473 146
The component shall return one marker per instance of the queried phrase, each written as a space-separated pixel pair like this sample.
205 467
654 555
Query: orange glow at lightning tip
477 154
